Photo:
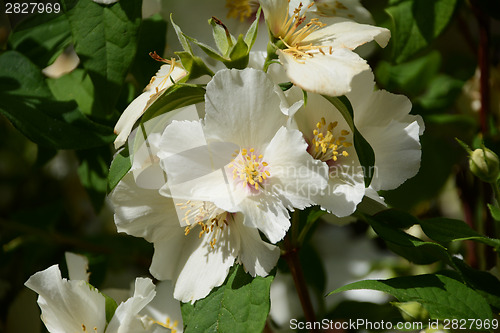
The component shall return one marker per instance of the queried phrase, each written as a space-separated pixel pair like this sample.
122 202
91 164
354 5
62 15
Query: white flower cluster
213 183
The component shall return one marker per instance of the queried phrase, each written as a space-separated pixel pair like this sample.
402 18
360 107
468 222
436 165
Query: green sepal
365 152
194 65
223 39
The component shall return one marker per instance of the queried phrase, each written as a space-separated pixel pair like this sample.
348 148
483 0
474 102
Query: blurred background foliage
65 79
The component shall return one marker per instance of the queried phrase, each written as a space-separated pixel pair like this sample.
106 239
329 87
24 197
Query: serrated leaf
364 151
441 296
41 38
486 284
241 304
28 103
120 165
446 230
416 23
105 39
207 49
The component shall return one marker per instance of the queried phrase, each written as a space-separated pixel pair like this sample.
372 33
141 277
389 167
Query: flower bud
484 164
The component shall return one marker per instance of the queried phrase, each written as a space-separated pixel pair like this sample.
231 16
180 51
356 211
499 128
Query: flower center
172 326
325 146
209 217
241 9
293 31
249 168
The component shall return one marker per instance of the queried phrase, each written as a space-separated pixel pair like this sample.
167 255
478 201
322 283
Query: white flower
195 242
75 306
385 121
253 163
196 255
164 78
317 50
330 141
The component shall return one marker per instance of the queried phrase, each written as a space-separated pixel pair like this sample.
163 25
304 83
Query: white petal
294 173
194 168
105 2
275 13
342 33
126 319
243 107
134 111
78 266
351 9
328 74
394 136
67 306
205 267
164 307
142 212
345 184
266 213
257 256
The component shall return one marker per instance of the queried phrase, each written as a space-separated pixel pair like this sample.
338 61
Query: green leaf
285 85
41 38
416 23
408 246
28 103
486 284
365 152
105 39
93 171
446 230
241 304
75 86
442 92
251 34
120 165
441 296
110 307
175 97
495 212
410 78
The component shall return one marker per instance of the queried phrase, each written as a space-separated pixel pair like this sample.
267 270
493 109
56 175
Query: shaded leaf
441 296
417 23
241 304
105 39
120 165
27 102
41 38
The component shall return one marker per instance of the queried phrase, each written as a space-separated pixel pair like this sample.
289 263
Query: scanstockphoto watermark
364 324
358 324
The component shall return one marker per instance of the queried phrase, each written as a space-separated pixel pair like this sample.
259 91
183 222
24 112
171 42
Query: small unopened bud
484 164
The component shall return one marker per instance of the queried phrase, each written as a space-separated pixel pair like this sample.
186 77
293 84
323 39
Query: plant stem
291 256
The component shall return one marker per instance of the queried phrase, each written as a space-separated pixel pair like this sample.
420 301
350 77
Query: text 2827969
32 7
